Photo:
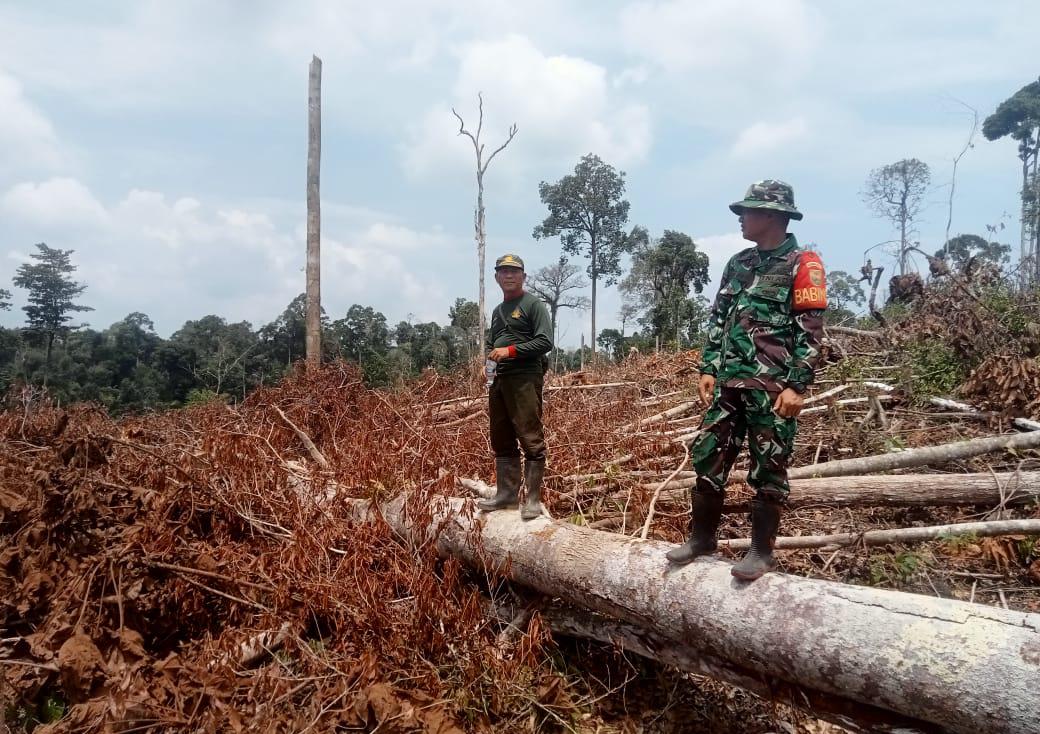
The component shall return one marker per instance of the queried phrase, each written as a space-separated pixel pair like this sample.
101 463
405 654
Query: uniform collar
777 252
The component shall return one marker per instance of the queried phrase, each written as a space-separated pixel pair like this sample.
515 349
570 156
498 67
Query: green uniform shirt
760 335
527 328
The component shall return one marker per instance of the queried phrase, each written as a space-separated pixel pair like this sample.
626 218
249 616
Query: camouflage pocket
769 304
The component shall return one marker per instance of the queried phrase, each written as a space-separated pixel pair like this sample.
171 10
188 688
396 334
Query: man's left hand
498 354
788 404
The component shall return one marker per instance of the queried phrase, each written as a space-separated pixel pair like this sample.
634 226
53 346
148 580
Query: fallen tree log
899 535
892 490
965 667
919 457
582 624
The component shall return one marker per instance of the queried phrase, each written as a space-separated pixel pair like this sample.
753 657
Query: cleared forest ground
195 570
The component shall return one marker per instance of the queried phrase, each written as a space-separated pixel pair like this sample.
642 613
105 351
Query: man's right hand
706 388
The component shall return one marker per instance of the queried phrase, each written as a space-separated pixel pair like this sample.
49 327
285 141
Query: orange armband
810 284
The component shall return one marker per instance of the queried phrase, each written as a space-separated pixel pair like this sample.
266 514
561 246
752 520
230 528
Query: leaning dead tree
478 216
948 664
314 213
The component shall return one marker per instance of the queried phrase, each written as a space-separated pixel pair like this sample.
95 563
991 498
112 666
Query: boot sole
510 506
691 559
751 576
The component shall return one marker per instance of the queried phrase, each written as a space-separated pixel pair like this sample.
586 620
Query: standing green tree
465 316
896 192
552 284
5 299
663 273
362 334
613 343
965 248
1018 116
843 292
51 293
588 212
217 353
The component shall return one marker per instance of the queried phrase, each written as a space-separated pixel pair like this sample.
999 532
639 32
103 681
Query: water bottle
490 367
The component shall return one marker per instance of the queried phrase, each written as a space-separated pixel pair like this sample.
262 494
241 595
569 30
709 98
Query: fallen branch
318 457
848 330
657 492
900 535
919 457
825 394
664 415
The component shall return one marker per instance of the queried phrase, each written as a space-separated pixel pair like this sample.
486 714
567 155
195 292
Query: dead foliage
193 570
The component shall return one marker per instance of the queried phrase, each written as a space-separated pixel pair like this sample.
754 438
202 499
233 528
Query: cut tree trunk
851 716
962 666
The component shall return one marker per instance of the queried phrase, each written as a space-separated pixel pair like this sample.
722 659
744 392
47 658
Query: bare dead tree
314 213
896 192
478 216
968 145
551 284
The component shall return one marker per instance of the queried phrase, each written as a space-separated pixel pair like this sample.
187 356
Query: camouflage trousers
734 414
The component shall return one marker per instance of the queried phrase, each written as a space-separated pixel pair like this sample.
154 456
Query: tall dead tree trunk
314 213
965 667
480 233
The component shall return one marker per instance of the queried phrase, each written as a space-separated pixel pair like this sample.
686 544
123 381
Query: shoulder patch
810 283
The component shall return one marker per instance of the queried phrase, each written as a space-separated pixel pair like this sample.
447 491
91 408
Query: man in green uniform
763 347
519 338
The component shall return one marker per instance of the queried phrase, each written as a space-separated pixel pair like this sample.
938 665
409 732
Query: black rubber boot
765 521
704 524
507 492
533 473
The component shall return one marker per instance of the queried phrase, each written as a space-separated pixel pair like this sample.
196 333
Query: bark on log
852 716
894 490
919 457
966 667
899 535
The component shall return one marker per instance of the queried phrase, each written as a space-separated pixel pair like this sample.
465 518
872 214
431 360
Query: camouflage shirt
766 325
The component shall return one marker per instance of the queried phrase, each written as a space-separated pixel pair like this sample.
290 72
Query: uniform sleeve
808 302
489 338
541 341
711 355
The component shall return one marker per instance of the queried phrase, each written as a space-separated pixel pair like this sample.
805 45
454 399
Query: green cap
768 194
509 261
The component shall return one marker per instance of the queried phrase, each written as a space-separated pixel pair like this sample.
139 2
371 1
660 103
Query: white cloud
181 258
54 204
766 40
563 105
764 137
27 136
719 249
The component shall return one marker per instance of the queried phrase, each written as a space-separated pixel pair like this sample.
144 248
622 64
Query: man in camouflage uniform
763 347
518 340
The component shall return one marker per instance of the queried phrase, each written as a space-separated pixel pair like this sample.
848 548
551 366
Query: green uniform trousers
515 410
734 414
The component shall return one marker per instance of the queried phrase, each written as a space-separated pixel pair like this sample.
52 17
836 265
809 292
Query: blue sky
166 142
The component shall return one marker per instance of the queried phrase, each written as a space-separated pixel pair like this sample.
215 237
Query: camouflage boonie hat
768 194
509 261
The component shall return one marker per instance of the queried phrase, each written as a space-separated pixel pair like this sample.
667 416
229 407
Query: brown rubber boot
765 521
507 491
704 524
533 473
